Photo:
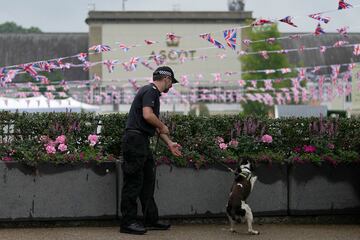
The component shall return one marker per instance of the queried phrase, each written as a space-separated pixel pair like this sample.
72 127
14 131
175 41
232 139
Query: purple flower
297 149
267 138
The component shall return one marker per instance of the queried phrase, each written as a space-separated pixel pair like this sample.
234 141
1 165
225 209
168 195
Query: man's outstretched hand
175 149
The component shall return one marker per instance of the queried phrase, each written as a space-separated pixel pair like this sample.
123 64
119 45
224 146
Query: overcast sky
70 15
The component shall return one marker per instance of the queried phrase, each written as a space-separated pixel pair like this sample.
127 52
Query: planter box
51 192
189 192
325 189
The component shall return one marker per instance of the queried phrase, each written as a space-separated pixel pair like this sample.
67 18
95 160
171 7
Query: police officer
138 164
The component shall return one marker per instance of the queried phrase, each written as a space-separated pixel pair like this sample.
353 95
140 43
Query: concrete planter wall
190 192
324 190
51 192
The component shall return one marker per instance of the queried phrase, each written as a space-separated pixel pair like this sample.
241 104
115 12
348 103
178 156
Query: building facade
196 62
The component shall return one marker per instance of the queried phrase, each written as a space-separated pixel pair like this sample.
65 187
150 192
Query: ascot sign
173 55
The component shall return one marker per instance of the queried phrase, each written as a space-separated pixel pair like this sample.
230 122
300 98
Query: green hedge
25 137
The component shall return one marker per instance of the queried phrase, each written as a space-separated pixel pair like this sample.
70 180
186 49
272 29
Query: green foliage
256 62
11 27
24 138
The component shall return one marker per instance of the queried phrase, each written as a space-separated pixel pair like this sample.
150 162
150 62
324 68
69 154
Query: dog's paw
253 232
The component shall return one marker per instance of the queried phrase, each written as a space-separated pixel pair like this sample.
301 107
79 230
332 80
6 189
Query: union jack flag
82 57
316 69
132 64
264 54
285 70
318 17
261 21
319 30
340 43
230 38
301 73
29 68
149 42
322 49
343 5
146 64
86 65
208 37
171 36
270 40
110 64
343 31
45 66
100 48
288 20
269 71
356 51
124 47
158 59
295 37
246 42
42 79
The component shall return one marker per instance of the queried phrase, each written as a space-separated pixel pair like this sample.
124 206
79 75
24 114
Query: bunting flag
210 39
264 54
29 68
110 64
124 47
146 64
87 65
100 48
302 73
42 79
316 69
343 5
158 59
295 37
343 31
171 36
270 40
322 49
285 70
246 42
340 43
317 16
150 42
82 56
356 51
230 38
288 20
319 30
261 21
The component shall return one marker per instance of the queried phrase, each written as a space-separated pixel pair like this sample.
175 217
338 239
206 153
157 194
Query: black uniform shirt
147 96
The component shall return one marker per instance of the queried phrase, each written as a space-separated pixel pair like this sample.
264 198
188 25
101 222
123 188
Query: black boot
134 228
157 226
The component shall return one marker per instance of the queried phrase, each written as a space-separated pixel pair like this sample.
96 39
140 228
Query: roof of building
166 16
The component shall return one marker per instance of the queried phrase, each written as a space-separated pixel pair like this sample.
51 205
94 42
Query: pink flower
50 149
223 146
233 143
267 138
44 139
7 159
60 139
62 147
297 149
219 140
309 148
93 139
331 146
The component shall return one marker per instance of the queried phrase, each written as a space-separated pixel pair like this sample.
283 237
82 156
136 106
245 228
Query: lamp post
123 4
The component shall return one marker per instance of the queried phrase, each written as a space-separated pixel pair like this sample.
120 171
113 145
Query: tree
257 62
11 27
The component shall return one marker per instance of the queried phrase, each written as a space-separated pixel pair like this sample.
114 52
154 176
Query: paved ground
190 232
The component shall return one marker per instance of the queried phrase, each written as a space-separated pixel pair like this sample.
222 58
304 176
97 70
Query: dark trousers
139 173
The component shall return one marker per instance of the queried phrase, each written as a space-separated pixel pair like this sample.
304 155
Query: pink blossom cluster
93 139
51 146
267 138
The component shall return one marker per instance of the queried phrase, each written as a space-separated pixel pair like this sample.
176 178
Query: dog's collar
245 174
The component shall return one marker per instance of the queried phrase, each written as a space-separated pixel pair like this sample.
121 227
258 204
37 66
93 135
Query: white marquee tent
42 104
